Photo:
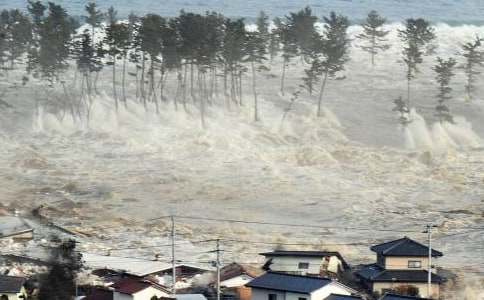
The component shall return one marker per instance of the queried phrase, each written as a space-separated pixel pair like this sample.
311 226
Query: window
414 264
303 265
4 297
272 297
302 298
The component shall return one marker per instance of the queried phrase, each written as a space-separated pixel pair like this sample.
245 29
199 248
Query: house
15 228
98 293
234 277
401 267
318 263
12 288
399 297
190 297
283 286
343 297
138 289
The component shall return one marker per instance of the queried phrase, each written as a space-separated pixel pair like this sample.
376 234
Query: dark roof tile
375 273
342 297
11 284
404 247
289 282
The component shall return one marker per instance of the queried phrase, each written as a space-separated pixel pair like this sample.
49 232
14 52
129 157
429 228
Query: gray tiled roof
288 282
342 297
399 297
404 247
375 273
11 284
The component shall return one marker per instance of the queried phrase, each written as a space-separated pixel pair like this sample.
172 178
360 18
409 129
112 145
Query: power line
287 224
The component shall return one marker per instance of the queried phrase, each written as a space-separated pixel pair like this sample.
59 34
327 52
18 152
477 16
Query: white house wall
259 294
291 264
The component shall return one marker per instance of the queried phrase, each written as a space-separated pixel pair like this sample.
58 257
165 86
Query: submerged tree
416 37
403 111
374 36
117 40
256 55
474 59
444 70
334 51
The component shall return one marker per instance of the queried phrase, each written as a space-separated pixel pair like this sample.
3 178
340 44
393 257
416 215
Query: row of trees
207 54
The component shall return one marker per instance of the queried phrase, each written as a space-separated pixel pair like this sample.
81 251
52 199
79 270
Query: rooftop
404 247
305 254
11 284
342 297
289 282
399 297
10 225
132 286
234 269
375 273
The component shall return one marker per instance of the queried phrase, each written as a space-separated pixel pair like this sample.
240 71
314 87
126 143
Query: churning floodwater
448 11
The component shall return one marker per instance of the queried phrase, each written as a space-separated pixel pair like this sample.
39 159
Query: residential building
12 288
401 266
234 277
317 263
138 289
283 286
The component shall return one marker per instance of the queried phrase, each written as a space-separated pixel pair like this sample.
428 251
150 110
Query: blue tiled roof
289 283
398 297
342 297
404 247
374 273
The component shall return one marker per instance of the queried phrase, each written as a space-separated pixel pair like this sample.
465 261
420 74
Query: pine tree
474 59
54 41
274 40
256 52
16 30
37 11
444 71
416 37
94 18
403 111
150 34
373 35
289 47
334 51
302 28
117 40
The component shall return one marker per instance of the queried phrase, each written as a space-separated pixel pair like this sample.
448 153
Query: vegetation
373 36
208 55
444 70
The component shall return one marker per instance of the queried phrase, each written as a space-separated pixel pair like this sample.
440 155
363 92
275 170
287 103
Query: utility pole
429 278
173 265
218 269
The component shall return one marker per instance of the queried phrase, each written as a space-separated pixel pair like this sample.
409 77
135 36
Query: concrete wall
422 287
401 263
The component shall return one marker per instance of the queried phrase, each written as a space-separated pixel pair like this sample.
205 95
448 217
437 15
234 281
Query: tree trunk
321 93
115 93
123 84
256 104
142 83
284 62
